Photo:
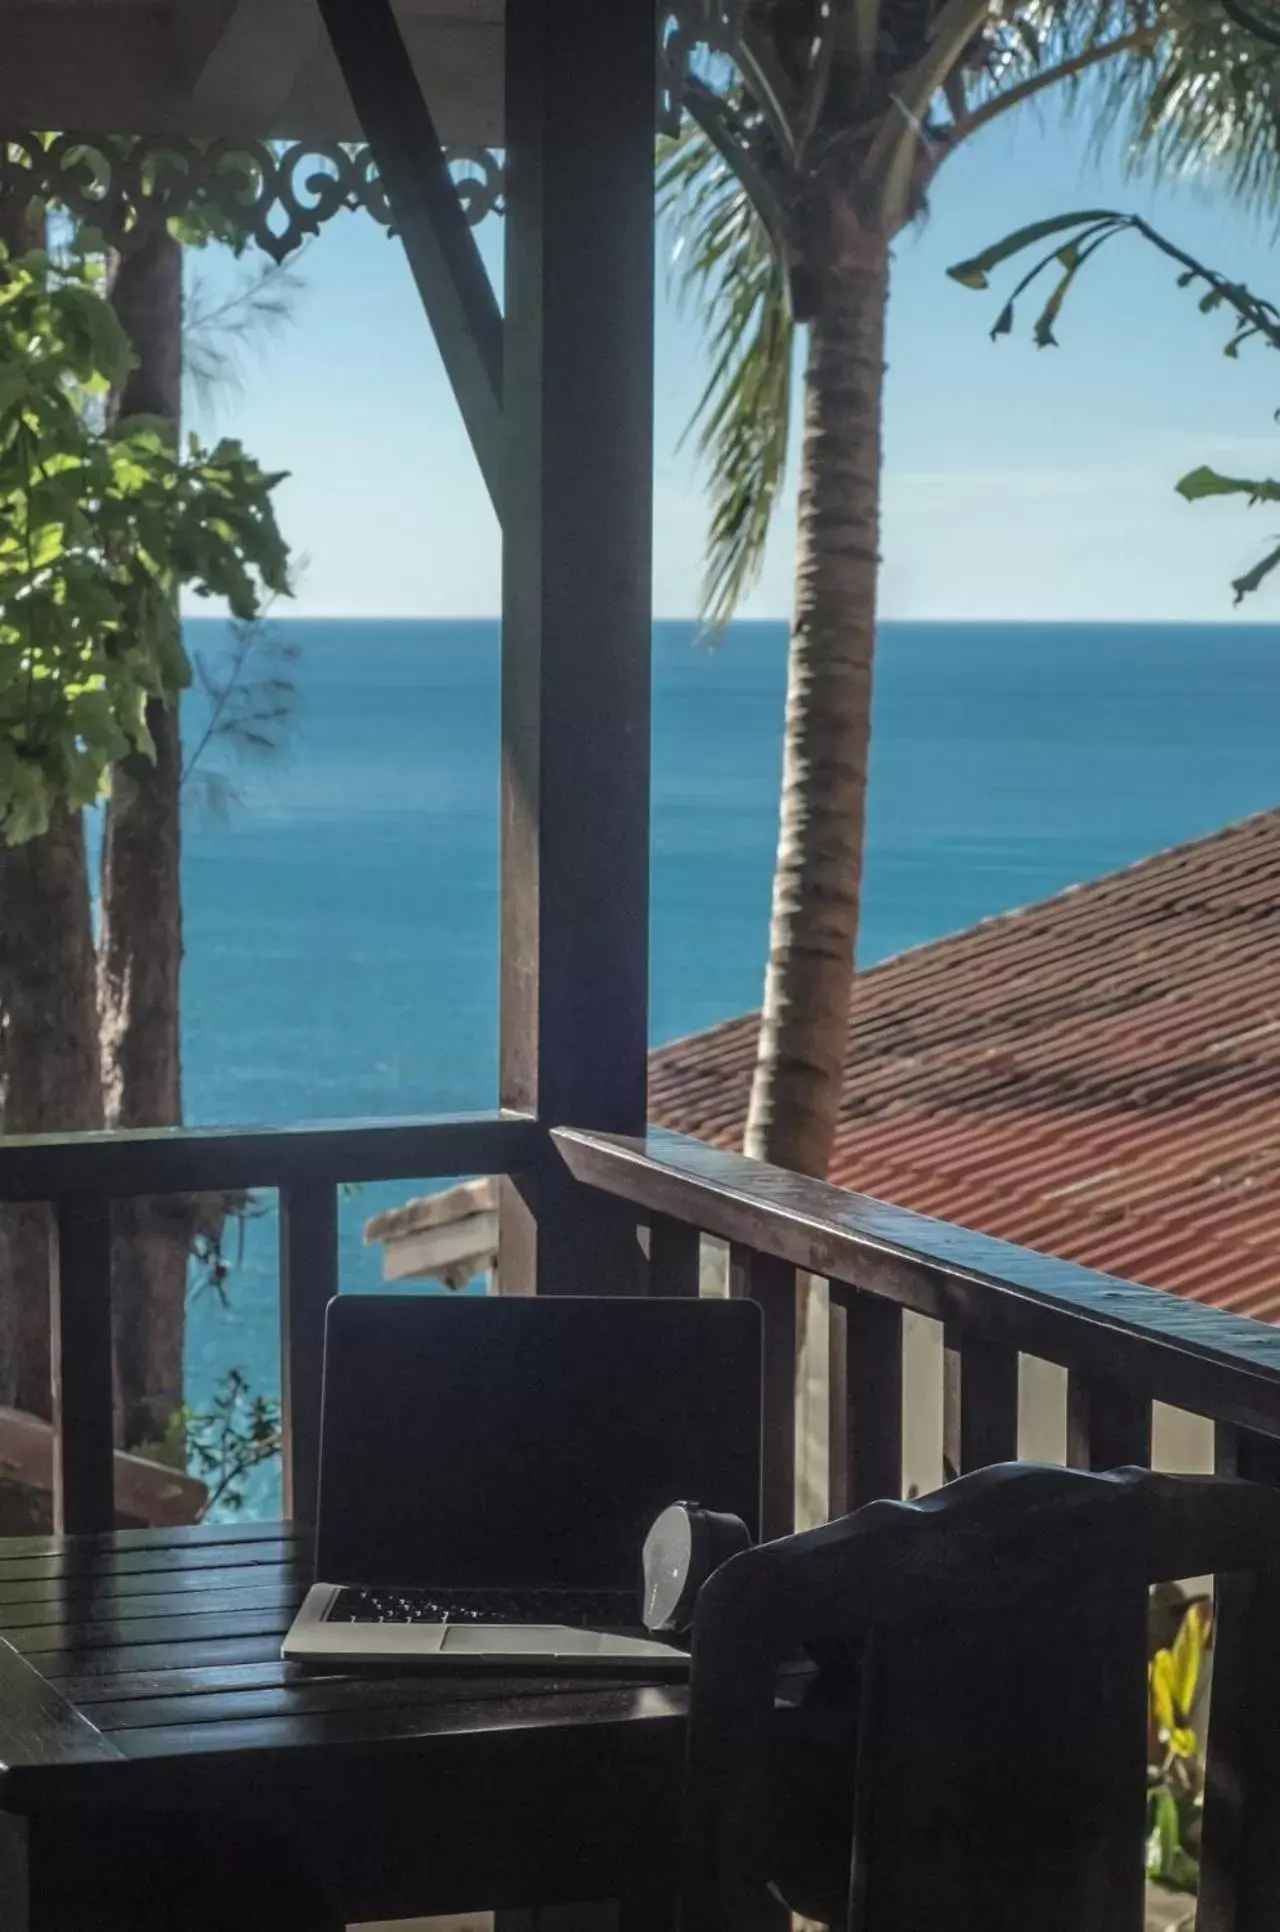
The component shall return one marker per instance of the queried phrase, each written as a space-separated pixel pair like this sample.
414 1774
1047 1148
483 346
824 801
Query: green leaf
1163 1706
1243 586
1204 482
1188 1656
110 351
974 272
1004 322
1163 1834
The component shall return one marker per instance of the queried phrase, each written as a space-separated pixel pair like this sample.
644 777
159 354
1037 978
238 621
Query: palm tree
813 141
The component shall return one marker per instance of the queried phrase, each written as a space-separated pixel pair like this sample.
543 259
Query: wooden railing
1123 1346
79 1175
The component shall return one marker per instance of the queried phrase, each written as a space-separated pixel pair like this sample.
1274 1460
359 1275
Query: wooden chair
980 1718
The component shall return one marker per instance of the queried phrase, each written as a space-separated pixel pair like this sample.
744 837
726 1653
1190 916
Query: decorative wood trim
280 194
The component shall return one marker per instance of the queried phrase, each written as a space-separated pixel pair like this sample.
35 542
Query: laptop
489 1469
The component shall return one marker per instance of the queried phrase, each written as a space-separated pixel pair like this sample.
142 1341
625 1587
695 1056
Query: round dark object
684 1546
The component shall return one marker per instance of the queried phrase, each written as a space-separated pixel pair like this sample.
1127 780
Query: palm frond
1034 44
1206 102
727 272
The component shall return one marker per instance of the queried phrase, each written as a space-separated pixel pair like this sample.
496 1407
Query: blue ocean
341 914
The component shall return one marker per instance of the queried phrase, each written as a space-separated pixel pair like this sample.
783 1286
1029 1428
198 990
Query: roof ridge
1082 889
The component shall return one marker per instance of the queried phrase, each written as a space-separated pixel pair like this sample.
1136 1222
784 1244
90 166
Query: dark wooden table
140 1672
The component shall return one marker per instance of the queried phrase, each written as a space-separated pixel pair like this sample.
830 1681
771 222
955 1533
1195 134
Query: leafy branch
238 1433
1175 1771
252 700
99 530
220 328
1076 238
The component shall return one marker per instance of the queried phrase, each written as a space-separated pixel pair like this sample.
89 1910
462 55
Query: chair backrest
991 1641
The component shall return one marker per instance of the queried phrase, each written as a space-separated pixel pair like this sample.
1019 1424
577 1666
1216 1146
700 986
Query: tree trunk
49 1071
141 944
795 1096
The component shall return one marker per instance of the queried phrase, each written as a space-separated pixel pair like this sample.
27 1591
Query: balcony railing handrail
121 1162
80 1175
1123 1345
1182 1352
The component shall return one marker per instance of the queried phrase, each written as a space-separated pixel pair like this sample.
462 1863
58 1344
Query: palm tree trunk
140 956
795 1096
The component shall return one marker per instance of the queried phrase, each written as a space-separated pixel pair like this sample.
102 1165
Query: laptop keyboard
582 1609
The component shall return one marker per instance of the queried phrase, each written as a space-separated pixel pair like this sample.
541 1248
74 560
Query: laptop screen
473 1442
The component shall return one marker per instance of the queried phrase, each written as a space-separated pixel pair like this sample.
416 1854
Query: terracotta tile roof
1097 1076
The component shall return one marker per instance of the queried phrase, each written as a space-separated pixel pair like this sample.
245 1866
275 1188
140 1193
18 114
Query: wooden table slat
72 1662
139 1562
38 1724
126 1633
320 1695
176 1536
90 1613
86 1692
109 1586
330 1729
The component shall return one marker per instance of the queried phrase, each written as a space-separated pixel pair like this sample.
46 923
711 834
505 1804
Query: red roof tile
1097 1076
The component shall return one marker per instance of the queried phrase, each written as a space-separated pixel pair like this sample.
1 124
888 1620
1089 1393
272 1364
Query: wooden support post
1243 1452
1108 1425
83 1432
675 1257
979 1404
772 1283
577 515
308 1283
442 253
866 1401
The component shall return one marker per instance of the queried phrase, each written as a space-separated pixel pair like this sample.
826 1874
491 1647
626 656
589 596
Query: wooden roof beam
253 66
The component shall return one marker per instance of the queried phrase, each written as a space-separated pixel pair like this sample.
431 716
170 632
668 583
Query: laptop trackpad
541 1640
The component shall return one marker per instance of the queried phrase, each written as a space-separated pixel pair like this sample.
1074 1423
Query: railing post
81 1351
308 1283
979 1403
866 1400
1108 1425
675 1257
1240 1826
772 1284
1243 1452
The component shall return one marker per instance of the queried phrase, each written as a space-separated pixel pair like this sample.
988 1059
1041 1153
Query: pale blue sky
1018 483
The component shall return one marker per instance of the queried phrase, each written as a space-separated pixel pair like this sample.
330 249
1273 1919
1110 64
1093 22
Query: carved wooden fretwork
277 195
